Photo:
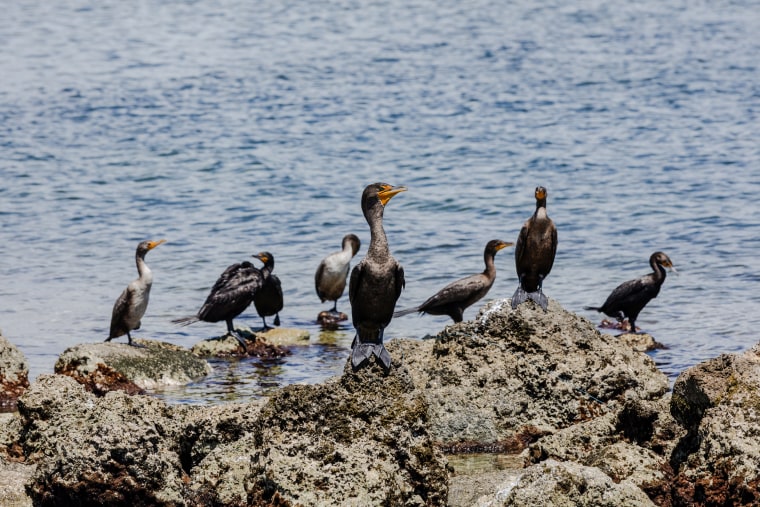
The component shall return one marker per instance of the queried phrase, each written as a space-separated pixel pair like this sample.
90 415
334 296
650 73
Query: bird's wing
317 277
554 246
237 281
400 281
522 239
627 292
120 309
354 284
455 292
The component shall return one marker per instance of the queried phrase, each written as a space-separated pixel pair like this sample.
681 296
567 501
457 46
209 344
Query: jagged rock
640 342
359 440
104 367
718 461
112 450
554 483
14 374
227 346
511 376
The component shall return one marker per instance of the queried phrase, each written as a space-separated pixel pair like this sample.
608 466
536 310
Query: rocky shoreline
587 418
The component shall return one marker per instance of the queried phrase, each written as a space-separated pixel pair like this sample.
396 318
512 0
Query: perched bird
376 282
232 293
629 298
331 275
453 299
132 303
268 299
534 254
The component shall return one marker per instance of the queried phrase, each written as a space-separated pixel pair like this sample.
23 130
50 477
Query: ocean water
231 127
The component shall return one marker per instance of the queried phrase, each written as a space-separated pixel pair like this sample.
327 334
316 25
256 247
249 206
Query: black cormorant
453 299
376 282
534 254
232 293
629 298
331 275
133 301
268 299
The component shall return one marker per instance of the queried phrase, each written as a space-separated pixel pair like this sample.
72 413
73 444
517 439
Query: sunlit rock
104 367
14 374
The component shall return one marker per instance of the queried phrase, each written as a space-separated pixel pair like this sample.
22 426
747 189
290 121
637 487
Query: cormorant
331 275
376 282
130 306
268 299
534 254
630 297
232 293
453 299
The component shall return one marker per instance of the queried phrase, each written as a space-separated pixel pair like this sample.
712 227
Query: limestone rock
13 480
103 367
554 483
718 461
14 374
511 376
228 346
358 440
113 450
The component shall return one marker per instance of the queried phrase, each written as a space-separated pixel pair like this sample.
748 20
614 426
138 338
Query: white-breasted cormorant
534 254
453 299
331 275
376 282
133 301
232 293
268 299
629 298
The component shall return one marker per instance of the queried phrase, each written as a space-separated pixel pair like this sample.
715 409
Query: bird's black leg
138 345
236 335
335 307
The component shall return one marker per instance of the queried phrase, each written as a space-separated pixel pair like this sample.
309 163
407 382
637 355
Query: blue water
230 127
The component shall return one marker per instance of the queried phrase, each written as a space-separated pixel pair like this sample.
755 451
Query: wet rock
103 367
640 342
226 346
14 374
284 337
360 439
112 450
718 461
565 484
509 377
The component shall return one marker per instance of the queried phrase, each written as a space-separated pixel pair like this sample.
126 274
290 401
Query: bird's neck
540 213
146 275
659 272
490 270
266 270
378 243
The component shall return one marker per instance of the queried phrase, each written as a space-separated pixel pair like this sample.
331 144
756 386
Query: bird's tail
186 321
361 352
520 296
401 313
595 308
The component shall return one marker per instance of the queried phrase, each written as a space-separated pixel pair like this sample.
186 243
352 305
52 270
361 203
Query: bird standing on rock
629 298
376 282
534 254
454 298
232 293
268 299
129 308
331 275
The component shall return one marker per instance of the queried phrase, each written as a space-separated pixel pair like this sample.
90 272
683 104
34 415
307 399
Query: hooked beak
386 194
154 244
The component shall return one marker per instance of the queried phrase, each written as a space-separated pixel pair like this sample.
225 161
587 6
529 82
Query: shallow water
229 128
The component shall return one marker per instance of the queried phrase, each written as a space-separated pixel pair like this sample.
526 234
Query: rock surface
509 377
104 367
256 346
14 374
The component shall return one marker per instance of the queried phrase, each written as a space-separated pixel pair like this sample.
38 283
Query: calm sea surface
230 127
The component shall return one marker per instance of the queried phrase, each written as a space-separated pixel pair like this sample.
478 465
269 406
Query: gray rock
107 366
227 345
361 439
718 402
13 480
112 450
14 374
510 376
554 484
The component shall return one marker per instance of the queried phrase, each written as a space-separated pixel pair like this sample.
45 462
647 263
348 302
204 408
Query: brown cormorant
133 301
268 299
534 254
453 299
376 282
331 275
629 298
232 293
